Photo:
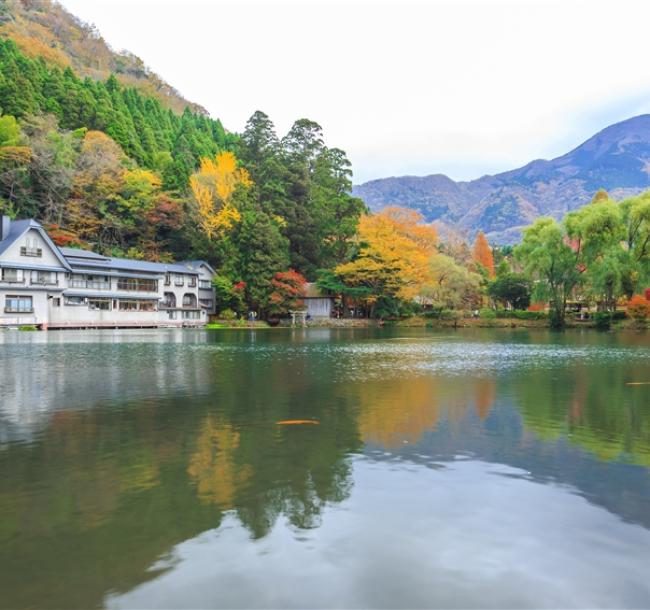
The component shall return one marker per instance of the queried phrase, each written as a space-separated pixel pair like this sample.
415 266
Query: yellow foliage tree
213 187
394 254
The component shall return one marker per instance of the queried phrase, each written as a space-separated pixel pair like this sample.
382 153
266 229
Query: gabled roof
198 264
18 228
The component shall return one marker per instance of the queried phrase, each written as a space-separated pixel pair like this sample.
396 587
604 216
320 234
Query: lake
455 469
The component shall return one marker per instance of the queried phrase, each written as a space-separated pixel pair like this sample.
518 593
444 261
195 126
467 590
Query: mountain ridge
616 158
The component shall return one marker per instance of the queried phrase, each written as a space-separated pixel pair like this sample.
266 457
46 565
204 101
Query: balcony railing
6 280
138 286
95 285
44 282
27 251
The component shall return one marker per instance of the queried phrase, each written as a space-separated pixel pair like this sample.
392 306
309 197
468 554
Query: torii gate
300 316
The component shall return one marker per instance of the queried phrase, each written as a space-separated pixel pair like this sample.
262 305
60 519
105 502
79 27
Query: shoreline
420 322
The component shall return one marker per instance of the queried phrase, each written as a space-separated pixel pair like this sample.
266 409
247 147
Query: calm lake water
496 469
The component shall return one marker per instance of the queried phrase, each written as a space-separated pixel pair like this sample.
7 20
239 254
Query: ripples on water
472 469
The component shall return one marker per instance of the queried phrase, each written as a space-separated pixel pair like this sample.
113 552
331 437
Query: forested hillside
104 166
42 28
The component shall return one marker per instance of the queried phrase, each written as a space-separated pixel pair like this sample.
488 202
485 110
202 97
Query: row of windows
25 304
103 304
169 300
49 278
18 276
179 280
174 314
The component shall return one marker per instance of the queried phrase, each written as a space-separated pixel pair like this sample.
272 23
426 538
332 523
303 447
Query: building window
205 284
168 279
56 302
191 315
179 280
191 282
75 301
133 284
31 248
43 278
189 300
99 304
169 300
13 276
90 281
18 304
205 303
134 305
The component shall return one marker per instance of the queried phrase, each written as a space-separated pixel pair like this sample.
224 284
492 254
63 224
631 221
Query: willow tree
548 257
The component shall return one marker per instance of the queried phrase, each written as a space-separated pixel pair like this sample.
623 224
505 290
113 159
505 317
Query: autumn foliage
394 253
482 254
213 187
638 308
288 290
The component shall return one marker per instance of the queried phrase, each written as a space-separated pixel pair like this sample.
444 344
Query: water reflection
142 464
458 536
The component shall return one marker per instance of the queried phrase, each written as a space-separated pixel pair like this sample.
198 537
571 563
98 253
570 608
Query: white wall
12 255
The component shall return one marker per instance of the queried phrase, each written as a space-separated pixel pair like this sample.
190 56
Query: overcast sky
462 87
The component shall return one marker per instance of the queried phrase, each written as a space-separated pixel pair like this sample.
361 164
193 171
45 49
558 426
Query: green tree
511 290
548 258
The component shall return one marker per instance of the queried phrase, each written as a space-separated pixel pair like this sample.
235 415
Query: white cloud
464 87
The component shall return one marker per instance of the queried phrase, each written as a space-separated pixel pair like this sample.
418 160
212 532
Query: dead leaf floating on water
296 422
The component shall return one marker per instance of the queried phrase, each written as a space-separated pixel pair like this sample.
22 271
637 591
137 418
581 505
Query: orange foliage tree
213 187
393 258
482 254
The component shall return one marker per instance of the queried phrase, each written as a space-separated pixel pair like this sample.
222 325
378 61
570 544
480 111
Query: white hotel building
51 287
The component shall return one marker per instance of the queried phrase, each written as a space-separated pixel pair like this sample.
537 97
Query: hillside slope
44 28
617 159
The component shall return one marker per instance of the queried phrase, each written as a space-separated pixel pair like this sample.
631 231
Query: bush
638 308
228 314
487 314
528 315
520 314
27 327
603 320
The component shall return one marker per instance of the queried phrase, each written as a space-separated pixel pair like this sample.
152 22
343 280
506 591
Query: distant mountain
42 28
616 159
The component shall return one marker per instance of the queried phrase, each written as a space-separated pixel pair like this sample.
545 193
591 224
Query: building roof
77 258
312 291
18 228
197 265
86 258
